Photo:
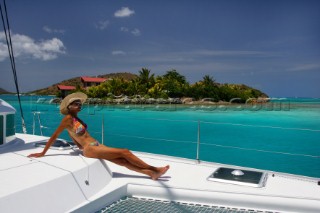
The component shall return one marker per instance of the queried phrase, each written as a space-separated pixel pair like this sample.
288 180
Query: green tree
174 75
209 81
174 84
133 87
117 86
209 88
195 91
146 80
96 91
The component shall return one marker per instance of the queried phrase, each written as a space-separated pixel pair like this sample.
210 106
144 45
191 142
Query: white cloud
124 29
124 12
24 46
136 32
228 53
3 51
49 30
305 67
102 25
118 52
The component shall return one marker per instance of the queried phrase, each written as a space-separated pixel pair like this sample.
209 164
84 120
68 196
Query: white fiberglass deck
57 183
186 181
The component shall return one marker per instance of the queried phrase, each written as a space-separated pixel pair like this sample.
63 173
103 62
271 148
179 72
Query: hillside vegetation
53 89
173 85
3 91
170 85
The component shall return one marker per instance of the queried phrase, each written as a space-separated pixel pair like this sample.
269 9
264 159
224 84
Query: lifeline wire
218 145
11 55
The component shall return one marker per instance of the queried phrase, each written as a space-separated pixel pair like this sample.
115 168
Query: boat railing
38 127
41 123
194 139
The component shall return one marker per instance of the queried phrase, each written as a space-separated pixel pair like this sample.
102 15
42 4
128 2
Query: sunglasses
78 104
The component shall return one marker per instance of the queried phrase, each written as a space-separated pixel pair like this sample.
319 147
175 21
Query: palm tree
146 80
210 89
208 81
144 76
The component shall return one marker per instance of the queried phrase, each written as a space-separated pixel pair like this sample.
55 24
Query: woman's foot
161 171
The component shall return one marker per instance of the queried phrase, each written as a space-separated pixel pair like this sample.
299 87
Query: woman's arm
54 136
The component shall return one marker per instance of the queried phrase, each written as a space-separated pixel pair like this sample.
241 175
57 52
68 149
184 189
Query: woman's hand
36 155
67 119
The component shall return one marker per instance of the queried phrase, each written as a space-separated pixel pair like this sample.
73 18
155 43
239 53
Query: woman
77 129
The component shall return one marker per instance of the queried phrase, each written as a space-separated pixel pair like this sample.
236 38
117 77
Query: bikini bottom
95 143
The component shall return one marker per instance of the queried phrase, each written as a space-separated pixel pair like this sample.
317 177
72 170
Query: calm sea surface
283 135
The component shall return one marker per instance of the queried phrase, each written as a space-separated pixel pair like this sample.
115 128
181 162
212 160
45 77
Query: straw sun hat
71 98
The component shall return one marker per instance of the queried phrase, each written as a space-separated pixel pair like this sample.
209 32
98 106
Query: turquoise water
279 136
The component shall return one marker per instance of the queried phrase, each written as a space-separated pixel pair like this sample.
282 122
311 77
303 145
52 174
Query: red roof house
63 87
65 90
90 81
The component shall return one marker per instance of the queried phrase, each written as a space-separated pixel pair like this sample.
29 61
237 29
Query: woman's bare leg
108 153
153 174
124 162
125 158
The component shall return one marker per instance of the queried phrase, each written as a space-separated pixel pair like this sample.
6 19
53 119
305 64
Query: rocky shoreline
183 101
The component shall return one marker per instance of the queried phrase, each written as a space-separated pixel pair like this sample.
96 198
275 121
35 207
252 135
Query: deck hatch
59 144
239 177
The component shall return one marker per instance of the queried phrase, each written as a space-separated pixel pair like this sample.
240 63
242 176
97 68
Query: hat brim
71 98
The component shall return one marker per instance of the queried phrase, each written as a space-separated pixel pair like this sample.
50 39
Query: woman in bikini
77 129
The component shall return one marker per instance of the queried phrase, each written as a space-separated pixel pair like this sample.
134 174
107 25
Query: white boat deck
59 181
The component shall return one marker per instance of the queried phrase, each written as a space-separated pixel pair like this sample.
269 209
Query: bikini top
78 127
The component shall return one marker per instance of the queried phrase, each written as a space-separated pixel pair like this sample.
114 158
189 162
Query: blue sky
271 45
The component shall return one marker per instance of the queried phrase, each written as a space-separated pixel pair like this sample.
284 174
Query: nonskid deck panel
136 204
